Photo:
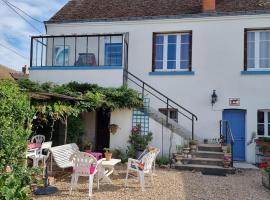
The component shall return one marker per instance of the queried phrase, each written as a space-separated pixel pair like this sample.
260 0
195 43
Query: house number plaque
234 102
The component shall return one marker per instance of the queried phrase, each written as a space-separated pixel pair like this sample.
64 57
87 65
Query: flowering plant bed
266 173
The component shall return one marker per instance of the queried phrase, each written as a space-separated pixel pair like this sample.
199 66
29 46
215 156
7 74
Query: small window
172 52
171 112
113 54
257 50
263 123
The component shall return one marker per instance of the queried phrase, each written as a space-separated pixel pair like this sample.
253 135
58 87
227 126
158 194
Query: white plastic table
108 169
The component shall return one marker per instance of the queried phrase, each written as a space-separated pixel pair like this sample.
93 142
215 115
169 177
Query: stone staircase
208 159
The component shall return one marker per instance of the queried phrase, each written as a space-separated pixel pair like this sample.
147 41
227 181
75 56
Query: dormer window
172 51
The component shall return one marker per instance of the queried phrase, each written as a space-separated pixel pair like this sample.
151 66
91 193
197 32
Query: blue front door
237 122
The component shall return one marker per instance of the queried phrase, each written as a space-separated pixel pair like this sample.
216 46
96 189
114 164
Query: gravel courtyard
170 185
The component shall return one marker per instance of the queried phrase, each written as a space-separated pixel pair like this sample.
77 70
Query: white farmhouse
198 61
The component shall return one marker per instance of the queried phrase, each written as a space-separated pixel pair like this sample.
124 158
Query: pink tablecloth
97 155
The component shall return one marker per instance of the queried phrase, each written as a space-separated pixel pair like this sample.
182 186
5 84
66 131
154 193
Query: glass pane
184 64
268 113
82 57
260 116
265 35
185 52
158 64
113 54
171 51
265 49
92 51
251 50
172 39
159 52
260 129
265 63
268 129
159 39
61 52
251 63
185 38
250 36
171 64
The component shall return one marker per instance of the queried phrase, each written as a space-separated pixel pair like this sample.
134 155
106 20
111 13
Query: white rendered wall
105 78
123 118
217 60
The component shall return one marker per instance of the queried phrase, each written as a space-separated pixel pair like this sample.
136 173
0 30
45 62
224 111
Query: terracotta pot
113 128
226 163
108 155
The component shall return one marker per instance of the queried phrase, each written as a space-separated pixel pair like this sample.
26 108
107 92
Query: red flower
268 159
263 165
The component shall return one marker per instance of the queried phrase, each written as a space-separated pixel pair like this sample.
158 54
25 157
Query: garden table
108 169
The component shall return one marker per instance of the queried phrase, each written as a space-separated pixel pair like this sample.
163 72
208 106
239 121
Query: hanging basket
113 128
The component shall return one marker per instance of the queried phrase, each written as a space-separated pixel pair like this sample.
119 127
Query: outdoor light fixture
214 98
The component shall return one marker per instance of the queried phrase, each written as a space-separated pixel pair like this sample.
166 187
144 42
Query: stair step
203 161
209 154
210 147
206 169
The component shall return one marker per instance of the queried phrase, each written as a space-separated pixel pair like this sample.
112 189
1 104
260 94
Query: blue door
237 122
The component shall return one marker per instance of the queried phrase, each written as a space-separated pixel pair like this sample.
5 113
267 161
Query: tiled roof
91 10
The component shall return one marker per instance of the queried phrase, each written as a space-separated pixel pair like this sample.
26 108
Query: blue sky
15 33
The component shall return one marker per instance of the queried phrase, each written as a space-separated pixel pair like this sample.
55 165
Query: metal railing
162 98
226 136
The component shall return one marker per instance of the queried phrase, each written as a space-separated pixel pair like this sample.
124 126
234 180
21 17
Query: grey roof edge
199 15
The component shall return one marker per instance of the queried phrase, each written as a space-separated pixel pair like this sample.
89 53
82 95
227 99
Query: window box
172 52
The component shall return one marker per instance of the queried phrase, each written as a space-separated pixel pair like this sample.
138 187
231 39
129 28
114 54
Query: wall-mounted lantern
214 97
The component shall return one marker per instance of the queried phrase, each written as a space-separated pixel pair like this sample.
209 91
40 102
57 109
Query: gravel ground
169 185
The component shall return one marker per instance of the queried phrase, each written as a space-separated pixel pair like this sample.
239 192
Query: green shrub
15 112
123 155
162 161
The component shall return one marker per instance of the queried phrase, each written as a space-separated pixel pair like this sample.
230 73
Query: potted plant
113 128
193 145
266 174
139 141
108 154
227 156
87 147
263 141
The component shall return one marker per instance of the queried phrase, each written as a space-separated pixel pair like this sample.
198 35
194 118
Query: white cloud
15 33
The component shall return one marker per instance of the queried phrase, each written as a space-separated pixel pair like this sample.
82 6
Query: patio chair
146 151
143 166
38 139
61 154
84 164
41 155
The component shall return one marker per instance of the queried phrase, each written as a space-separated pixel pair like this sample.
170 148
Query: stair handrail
192 116
225 137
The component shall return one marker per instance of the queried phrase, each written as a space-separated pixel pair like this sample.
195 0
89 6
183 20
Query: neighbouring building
191 59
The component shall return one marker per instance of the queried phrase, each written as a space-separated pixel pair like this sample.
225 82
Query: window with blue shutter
113 54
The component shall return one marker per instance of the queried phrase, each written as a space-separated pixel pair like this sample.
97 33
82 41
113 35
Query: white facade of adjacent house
217 63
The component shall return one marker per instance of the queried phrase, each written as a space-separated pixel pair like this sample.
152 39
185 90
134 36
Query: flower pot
266 179
113 128
226 163
108 155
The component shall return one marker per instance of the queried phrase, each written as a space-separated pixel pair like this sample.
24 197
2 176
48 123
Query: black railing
77 50
226 136
146 88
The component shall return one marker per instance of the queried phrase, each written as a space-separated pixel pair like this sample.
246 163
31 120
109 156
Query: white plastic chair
81 167
133 165
38 139
157 151
39 156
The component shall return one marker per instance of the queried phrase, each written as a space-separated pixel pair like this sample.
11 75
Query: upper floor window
172 52
263 123
257 50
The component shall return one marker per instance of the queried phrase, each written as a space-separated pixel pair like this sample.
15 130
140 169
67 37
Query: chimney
209 5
